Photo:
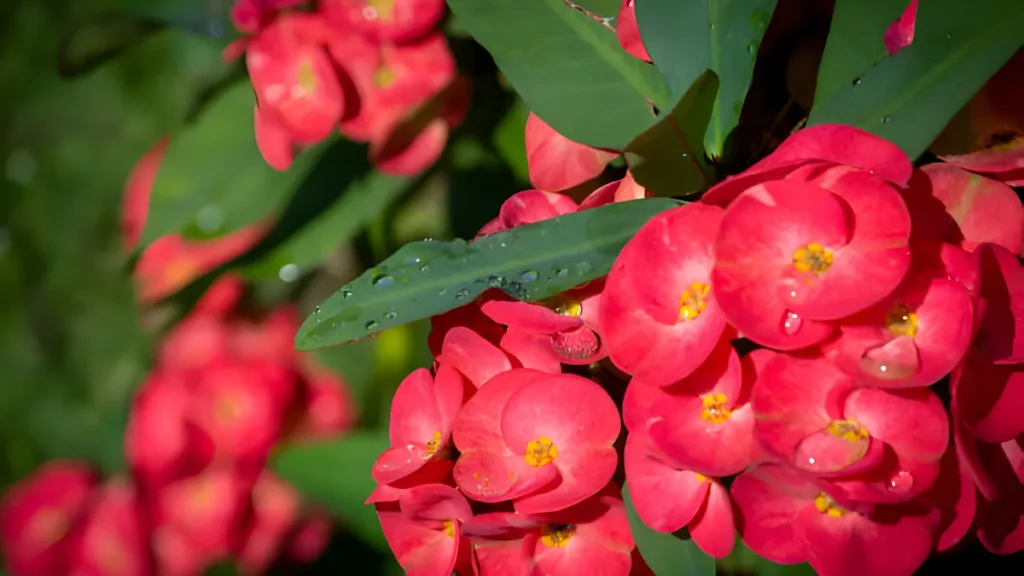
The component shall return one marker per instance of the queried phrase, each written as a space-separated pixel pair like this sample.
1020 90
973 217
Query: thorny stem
591 15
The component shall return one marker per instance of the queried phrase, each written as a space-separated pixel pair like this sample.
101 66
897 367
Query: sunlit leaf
665 554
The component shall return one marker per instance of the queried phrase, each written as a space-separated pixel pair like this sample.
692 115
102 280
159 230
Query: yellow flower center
384 77
47 527
449 528
564 305
557 535
434 444
714 409
848 430
813 258
307 78
826 505
693 300
901 321
540 452
383 10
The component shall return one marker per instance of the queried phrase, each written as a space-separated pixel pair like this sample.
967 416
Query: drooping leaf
668 158
531 263
213 166
568 67
666 554
510 140
686 38
855 42
909 97
336 474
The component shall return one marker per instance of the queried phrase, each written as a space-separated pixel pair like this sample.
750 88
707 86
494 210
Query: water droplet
412 261
288 272
316 310
372 325
424 268
384 281
685 155
391 314
528 276
442 291
949 36
824 452
885 119
495 281
712 26
856 81
901 481
209 218
345 292
583 268
462 293
791 323
751 49
563 272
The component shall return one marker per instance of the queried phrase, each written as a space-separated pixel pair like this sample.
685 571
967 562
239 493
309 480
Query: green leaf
568 67
107 36
668 158
666 554
603 8
855 42
213 176
909 97
510 140
336 474
767 568
684 39
531 262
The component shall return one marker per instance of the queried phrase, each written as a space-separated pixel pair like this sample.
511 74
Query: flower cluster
225 389
784 340
377 69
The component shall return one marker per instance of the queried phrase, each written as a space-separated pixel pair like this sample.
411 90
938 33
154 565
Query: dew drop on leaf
345 292
384 281
372 325
885 119
391 314
529 276
462 293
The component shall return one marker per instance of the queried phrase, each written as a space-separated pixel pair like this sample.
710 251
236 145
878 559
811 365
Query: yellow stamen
693 300
812 258
826 505
540 452
848 430
557 535
901 321
434 444
384 77
307 78
564 305
383 10
714 409
449 528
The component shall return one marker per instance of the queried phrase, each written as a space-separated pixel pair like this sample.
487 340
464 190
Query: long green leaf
665 554
855 42
686 38
668 158
909 97
531 262
213 176
568 67
603 8
336 474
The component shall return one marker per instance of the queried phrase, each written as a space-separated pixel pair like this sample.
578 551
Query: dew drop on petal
791 323
823 452
901 482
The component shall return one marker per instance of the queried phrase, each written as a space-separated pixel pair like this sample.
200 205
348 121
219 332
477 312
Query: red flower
424 529
628 31
792 254
135 201
37 513
160 442
206 510
900 33
874 445
294 78
659 317
591 537
473 356
1000 310
669 496
557 163
110 540
702 422
423 412
527 207
921 331
541 440
252 15
275 507
787 518
384 20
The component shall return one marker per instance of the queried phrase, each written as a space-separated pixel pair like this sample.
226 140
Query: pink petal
767 499
713 529
990 399
414 412
704 446
1001 519
531 206
419 549
532 318
557 163
900 33
478 425
985 210
472 355
752 258
410 155
956 498
578 347
448 392
532 350
434 502
914 422
583 473
493 477
665 497
999 338
628 31
399 461
574 412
